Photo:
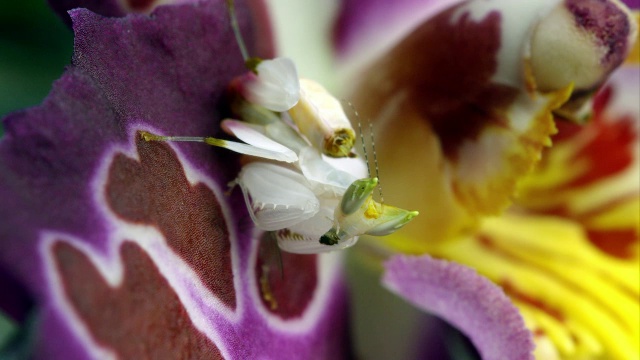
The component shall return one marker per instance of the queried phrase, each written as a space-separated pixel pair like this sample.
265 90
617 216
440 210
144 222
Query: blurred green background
35 47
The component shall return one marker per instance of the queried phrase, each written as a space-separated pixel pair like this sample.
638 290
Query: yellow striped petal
567 285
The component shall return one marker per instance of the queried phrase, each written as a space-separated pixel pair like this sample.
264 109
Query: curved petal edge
465 299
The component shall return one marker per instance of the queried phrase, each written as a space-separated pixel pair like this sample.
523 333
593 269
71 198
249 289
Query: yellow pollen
265 288
372 211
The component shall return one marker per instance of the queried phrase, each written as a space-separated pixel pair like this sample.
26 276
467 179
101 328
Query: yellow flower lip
584 301
581 300
572 267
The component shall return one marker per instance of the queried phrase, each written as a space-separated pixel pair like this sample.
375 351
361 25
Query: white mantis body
311 205
294 188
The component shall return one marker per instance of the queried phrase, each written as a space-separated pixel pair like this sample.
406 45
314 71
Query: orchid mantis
301 138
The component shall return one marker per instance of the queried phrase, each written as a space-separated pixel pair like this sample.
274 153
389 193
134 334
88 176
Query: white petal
323 176
255 151
321 222
277 87
252 136
276 197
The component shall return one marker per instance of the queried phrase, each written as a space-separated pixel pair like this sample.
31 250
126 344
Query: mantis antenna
375 161
364 149
364 144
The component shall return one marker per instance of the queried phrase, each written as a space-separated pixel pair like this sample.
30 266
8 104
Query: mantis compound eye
357 193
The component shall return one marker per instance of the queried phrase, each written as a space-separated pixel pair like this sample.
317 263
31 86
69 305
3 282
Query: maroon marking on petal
155 191
607 22
140 5
603 99
142 318
459 109
610 151
286 286
510 285
566 130
618 243
446 69
514 293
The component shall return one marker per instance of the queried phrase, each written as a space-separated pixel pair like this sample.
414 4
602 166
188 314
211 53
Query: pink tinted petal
465 299
624 85
371 26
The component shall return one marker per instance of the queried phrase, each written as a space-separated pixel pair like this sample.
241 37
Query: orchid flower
113 247
467 98
116 247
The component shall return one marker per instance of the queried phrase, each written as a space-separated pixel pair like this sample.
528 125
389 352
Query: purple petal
131 248
465 299
114 8
371 26
103 7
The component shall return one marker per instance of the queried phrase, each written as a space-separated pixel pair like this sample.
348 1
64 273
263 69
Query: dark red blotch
289 279
610 151
141 318
140 5
155 191
454 91
445 69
